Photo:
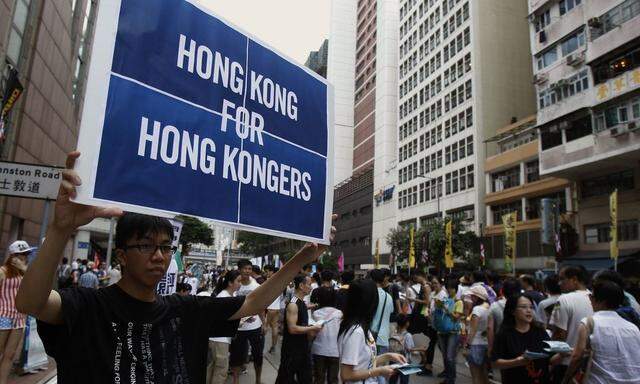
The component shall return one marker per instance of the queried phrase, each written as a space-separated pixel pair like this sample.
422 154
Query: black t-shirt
110 337
341 299
510 344
394 291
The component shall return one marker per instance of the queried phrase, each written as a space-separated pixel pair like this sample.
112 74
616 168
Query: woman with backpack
401 342
446 318
356 345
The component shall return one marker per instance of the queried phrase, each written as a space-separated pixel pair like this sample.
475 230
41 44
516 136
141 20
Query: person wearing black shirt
295 356
341 296
517 335
125 333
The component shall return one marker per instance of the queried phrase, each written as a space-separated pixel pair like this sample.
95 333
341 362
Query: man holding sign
135 334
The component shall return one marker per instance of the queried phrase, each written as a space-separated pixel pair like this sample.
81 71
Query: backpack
396 343
64 275
441 321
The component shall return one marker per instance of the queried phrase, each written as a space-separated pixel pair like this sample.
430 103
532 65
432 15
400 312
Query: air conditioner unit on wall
575 59
540 78
633 126
619 130
594 22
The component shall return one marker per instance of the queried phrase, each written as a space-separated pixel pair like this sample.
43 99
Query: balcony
612 88
540 187
558 29
613 29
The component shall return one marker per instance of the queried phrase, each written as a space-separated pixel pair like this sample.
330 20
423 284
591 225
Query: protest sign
186 114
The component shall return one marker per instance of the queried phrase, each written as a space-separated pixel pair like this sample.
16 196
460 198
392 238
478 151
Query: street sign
187 114
29 180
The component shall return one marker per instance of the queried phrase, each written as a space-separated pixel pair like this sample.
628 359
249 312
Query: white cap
19 246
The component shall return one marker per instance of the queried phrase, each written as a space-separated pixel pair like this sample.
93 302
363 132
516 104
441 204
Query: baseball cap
19 246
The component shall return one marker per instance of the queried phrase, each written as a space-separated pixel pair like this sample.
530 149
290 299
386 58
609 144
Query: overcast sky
295 27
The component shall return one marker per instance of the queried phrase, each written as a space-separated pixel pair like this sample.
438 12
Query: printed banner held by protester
175 94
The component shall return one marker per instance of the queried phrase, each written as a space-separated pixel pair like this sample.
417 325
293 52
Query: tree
253 243
194 231
465 244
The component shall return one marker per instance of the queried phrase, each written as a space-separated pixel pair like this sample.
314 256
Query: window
600 233
567 5
616 16
506 179
547 58
454 181
469 145
542 20
574 42
604 185
470 177
16 34
501 210
550 138
532 169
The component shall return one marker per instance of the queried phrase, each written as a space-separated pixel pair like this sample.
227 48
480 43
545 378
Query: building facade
586 59
513 183
46 44
464 70
317 60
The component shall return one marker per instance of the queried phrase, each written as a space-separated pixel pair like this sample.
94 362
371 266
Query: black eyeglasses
150 249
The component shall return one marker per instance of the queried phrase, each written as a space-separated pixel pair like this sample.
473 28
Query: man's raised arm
35 296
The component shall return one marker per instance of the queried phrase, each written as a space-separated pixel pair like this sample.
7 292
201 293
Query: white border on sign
94 110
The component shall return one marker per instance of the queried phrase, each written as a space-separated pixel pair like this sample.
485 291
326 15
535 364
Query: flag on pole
96 260
448 251
412 251
482 259
341 262
613 235
377 254
178 258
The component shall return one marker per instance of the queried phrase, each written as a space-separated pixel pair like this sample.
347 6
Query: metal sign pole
45 222
110 243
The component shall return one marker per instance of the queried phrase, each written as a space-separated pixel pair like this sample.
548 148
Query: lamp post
437 191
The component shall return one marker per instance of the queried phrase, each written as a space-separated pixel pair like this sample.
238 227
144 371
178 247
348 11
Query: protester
112 334
446 319
510 287
437 293
64 274
295 355
614 341
250 330
324 349
326 280
529 285
380 322
218 366
629 310
545 307
114 274
256 273
356 345
480 278
183 289
341 298
273 312
518 334
401 342
88 279
572 306
477 344
12 322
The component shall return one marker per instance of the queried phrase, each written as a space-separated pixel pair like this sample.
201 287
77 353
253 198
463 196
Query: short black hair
256 269
610 275
511 287
299 279
181 287
452 283
269 267
478 277
552 284
386 271
326 275
65 260
609 293
402 320
528 279
243 263
135 226
347 277
377 275
325 297
577 271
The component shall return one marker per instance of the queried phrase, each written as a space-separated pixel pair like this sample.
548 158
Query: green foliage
432 238
254 243
194 231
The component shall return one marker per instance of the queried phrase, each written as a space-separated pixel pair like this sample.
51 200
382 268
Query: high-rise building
586 59
45 45
363 69
464 71
317 60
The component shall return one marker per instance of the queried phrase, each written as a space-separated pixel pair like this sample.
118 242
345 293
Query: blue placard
199 118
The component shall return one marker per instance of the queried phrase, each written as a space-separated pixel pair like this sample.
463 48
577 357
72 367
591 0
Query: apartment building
586 59
514 184
464 71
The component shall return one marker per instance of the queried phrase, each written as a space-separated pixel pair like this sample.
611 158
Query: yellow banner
613 214
509 223
448 251
412 251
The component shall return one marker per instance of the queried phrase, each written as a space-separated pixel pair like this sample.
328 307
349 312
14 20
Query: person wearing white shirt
114 275
614 341
324 349
572 306
356 345
249 331
273 311
219 346
545 307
